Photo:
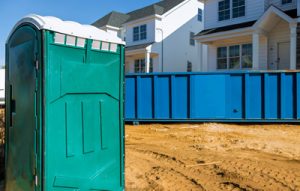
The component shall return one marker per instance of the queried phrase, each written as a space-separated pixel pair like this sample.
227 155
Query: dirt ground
213 157
209 157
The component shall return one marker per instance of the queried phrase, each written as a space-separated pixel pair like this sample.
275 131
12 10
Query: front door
22 111
283 56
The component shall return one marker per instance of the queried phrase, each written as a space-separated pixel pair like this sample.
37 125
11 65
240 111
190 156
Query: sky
82 11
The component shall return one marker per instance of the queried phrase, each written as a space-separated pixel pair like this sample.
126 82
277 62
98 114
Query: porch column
147 60
293 46
255 53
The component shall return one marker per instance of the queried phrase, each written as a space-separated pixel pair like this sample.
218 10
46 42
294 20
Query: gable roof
113 18
158 8
116 19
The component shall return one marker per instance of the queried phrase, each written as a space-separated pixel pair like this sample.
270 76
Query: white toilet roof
68 27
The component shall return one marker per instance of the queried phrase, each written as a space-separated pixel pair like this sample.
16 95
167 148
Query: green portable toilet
64 107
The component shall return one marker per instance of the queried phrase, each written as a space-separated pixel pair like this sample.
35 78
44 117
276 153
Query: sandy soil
213 157
209 157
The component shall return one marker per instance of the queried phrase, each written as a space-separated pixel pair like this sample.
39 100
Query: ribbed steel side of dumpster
246 96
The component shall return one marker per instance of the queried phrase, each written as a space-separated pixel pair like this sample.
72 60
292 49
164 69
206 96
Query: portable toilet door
64 103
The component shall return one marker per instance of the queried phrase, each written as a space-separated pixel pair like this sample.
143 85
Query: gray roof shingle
116 19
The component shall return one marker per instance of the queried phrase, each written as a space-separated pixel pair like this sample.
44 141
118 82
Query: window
247 56
140 33
140 66
224 10
136 33
238 8
143 31
192 40
286 1
235 57
222 58
200 13
189 66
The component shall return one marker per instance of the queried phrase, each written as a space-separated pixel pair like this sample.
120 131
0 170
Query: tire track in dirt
177 158
176 169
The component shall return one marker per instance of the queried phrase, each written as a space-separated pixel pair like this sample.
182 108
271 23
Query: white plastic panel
80 42
105 46
71 40
113 47
59 38
96 45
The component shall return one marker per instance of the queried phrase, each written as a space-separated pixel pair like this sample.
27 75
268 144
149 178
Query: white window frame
139 33
136 34
224 10
228 57
232 8
192 40
141 64
234 57
230 11
200 15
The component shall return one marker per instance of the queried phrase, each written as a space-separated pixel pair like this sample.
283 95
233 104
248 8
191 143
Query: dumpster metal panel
241 96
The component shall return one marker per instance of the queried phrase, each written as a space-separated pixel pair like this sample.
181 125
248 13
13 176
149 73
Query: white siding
278 3
176 27
280 33
254 9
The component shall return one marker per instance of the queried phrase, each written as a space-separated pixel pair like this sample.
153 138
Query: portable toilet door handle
12 107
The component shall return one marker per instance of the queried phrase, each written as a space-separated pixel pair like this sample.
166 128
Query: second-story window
136 33
143 31
286 1
140 33
224 10
200 14
238 8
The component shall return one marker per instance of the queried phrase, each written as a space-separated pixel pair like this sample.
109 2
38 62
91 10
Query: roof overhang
67 27
224 35
138 49
110 27
271 17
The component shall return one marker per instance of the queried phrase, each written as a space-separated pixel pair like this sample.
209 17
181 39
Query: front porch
141 59
269 43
